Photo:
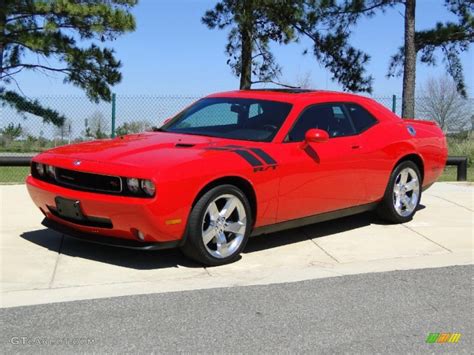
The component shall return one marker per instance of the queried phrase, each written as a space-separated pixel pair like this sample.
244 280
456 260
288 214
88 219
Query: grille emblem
77 163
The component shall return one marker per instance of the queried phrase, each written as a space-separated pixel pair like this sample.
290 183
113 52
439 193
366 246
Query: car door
376 167
319 177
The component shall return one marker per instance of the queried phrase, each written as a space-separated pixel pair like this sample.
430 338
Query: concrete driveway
41 266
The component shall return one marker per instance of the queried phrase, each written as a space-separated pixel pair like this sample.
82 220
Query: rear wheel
218 226
402 195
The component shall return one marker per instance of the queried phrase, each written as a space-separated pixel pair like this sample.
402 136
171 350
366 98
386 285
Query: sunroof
289 91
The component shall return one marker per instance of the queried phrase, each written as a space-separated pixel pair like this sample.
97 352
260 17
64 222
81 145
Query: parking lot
40 266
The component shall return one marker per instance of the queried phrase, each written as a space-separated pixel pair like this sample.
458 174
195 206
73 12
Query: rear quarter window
361 118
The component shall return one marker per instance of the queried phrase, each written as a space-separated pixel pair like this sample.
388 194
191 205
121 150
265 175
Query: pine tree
65 37
255 24
448 38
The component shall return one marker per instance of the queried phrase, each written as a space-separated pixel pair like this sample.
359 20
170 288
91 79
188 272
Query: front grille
77 180
88 181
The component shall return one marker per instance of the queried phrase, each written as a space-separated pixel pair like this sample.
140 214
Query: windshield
234 118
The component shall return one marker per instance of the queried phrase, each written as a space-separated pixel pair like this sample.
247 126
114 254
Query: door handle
355 146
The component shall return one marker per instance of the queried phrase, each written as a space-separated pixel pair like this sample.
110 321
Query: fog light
138 234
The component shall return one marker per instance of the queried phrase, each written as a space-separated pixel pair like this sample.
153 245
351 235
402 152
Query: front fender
179 185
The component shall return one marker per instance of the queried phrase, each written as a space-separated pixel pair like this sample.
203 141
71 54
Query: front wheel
218 227
402 195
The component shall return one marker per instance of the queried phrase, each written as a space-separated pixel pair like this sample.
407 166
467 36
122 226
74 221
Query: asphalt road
390 312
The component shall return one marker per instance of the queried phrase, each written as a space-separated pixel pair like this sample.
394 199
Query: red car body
285 182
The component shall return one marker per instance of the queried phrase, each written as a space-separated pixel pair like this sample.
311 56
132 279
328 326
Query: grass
461 147
15 175
29 145
450 174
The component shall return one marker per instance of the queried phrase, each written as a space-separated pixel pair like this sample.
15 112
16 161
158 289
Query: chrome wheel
223 226
406 192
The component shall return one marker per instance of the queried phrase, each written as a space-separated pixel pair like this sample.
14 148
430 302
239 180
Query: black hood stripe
252 160
256 157
264 156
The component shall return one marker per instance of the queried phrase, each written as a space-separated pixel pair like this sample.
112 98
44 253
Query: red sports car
236 164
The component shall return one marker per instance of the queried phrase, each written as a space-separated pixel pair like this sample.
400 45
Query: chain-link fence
23 133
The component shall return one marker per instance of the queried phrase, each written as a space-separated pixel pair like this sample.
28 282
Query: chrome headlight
51 171
133 185
148 187
39 169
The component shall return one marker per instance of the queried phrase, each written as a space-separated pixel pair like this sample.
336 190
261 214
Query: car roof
307 97
287 95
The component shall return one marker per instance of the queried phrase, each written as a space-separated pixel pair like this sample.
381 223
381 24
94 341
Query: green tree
61 36
12 132
255 24
446 38
132 127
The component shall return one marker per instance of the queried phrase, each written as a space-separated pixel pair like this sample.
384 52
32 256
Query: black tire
193 246
386 209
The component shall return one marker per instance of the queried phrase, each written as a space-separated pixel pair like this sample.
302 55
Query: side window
328 117
361 118
338 113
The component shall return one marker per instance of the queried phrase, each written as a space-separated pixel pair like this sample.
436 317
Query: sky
173 53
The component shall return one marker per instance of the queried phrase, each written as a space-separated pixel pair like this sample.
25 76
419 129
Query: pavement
375 313
40 266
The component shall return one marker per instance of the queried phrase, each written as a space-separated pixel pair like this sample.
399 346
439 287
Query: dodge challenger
238 164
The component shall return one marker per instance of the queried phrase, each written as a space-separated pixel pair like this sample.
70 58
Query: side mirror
314 135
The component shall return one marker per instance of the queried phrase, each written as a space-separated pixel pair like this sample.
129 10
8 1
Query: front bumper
119 217
105 240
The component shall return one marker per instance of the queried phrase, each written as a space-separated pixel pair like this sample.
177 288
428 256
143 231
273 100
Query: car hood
154 148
